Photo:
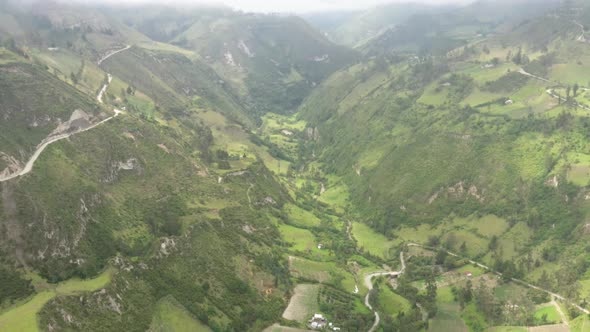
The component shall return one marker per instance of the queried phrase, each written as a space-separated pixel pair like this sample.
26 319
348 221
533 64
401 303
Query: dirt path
108 55
561 313
554 95
550 91
525 73
104 88
248 195
349 230
29 165
582 37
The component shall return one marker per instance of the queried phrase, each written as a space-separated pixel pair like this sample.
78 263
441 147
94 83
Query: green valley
181 167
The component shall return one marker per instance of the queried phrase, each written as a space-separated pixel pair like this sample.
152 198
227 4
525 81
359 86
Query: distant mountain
271 62
439 31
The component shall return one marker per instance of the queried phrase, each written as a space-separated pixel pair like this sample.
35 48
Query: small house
318 322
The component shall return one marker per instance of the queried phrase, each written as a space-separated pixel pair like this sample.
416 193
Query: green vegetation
171 316
547 315
371 242
255 161
390 303
13 286
304 303
23 316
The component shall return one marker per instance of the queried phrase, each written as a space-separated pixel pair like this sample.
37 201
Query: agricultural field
322 272
303 303
278 328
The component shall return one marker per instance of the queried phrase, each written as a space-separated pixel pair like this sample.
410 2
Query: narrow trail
582 37
525 73
248 195
31 162
518 281
561 313
110 54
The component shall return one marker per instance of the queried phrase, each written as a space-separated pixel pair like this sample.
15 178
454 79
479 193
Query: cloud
297 6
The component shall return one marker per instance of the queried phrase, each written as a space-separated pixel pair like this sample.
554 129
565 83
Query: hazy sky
281 5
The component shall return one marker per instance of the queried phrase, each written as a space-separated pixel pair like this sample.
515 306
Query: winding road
582 37
369 286
550 91
31 162
554 296
110 54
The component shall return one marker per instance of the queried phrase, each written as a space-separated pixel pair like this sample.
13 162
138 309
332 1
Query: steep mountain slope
353 29
270 62
144 188
441 169
439 31
34 104
132 187
468 133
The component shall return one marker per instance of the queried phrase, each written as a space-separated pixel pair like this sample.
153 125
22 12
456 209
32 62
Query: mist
265 6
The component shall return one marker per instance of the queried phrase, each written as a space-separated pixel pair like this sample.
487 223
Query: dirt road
31 162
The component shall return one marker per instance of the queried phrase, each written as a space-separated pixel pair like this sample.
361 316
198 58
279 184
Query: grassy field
371 241
552 316
391 302
303 303
323 272
447 320
302 240
336 194
508 290
585 288
579 170
448 317
235 140
301 217
23 317
580 324
76 285
434 95
274 121
170 316
570 73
